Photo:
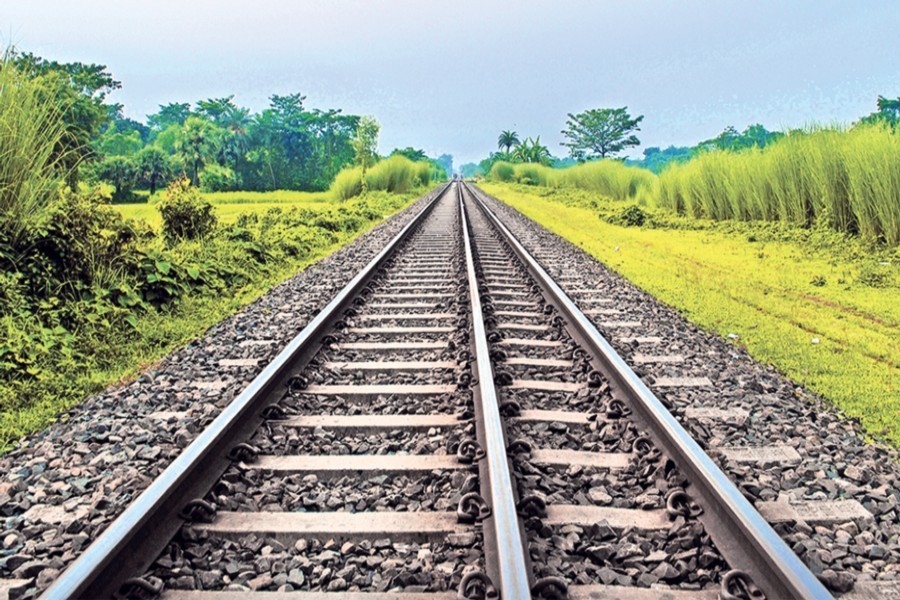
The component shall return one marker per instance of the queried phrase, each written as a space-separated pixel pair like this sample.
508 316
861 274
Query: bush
216 178
396 174
30 133
609 178
847 180
502 171
185 214
632 216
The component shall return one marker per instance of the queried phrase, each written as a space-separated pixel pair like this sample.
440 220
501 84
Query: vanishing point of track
475 380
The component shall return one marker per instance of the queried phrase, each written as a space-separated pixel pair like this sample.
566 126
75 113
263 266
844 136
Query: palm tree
197 144
507 139
532 151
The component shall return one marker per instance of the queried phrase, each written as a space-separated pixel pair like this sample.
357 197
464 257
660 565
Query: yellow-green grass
765 293
229 205
607 177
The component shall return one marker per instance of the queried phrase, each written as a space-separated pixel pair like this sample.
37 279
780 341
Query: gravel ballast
760 408
61 487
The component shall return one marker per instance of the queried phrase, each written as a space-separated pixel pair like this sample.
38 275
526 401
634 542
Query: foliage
365 145
396 174
78 91
532 151
848 180
609 178
31 134
215 178
122 172
888 113
507 139
89 297
185 214
155 167
601 132
656 159
197 145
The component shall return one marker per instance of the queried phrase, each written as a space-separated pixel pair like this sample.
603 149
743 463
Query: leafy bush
186 215
502 171
632 216
216 178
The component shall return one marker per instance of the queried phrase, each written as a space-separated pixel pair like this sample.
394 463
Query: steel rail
743 536
514 575
102 568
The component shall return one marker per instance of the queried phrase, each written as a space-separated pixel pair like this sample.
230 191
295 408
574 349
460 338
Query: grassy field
777 291
231 204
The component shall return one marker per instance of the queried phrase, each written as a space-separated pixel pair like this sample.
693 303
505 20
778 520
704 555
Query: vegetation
847 180
396 174
87 296
819 305
608 177
601 133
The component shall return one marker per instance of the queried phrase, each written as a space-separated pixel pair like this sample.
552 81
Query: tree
411 153
508 139
121 172
215 109
173 113
446 162
532 151
78 91
888 113
365 144
154 166
197 145
600 132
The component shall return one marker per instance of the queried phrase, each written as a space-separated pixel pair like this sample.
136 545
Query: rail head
776 569
514 575
95 573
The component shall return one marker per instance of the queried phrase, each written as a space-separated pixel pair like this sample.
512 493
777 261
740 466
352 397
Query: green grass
777 293
231 204
848 180
610 178
396 174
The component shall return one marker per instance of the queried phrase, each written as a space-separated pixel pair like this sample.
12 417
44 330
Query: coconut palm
532 151
507 139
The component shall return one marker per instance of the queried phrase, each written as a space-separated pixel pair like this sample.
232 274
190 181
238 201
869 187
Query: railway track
451 425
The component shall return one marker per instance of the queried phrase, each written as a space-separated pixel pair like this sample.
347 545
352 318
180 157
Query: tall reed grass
396 174
848 180
609 178
30 132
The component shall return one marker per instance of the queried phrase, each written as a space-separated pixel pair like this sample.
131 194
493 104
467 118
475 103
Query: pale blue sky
448 76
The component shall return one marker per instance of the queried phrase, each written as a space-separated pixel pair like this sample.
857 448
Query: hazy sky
448 76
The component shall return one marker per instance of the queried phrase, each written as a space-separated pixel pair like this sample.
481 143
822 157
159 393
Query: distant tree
365 145
411 153
469 170
173 113
78 91
197 145
656 159
532 151
113 143
507 140
731 139
888 113
601 132
155 167
215 109
446 162
121 172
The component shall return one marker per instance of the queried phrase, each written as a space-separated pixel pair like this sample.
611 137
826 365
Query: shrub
502 171
396 174
632 216
30 133
216 178
185 214
846 180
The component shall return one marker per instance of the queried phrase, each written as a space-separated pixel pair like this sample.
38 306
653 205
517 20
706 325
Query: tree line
607 132
216 143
